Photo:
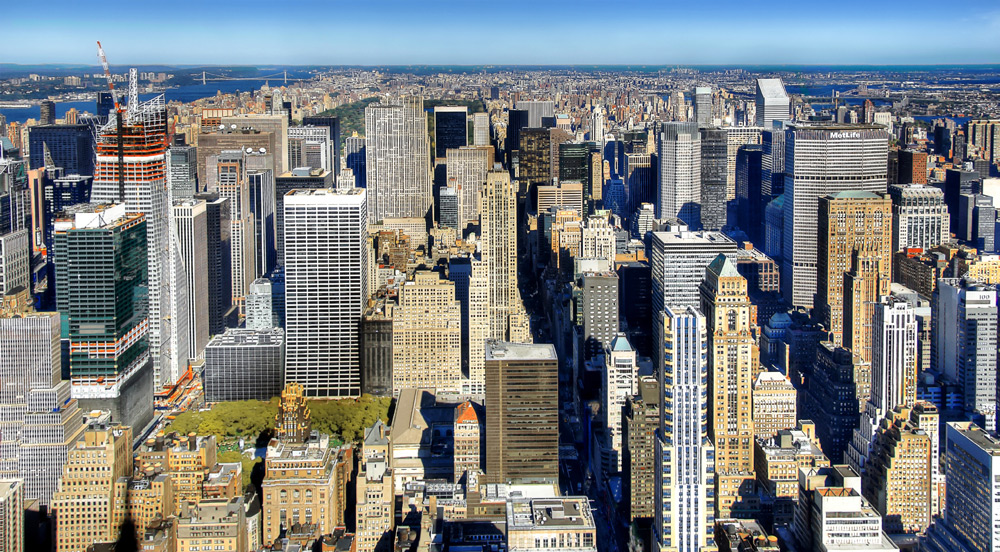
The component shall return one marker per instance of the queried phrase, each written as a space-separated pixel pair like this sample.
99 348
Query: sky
471 32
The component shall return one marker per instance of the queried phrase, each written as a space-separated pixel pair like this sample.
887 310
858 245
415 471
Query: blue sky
504 32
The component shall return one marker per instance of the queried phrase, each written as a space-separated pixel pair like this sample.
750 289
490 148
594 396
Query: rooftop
549 513
772 88
502 350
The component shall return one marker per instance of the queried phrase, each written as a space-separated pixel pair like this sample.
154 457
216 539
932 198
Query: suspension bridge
207 77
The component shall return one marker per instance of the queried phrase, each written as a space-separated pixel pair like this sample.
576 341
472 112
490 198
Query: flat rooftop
502 350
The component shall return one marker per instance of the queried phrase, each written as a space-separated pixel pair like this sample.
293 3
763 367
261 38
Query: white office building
326 289
821 160
678 192
621 381
678 264
772 103
920 217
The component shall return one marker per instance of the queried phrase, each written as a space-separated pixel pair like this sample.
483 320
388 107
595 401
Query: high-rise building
233 185
472 285
326 259
854 266
640 181
466 173
567 519
714 168
965 334
42 421
703 105
451 129
244 364
537 110
190 218
912 167
229 139
309 146
261 314
678 192
751 198
302 178
831 513
893 373
480 129
101 292
621 381
822 160
182 169
141 185
398 159
522 414
69 146
47 112
920 217
736 138
356 158
684 504
277 125
498 229
448 208
774 404
898 476
261 191
61 193
333 125
972 517
15 261
427 335
678 265
732 365
375 496
221 521
469 448
639 459
597 311
777 460
772 141
831 398
219 252
12 502
772 102
91 501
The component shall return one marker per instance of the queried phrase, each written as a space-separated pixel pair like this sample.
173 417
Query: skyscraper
261 189
182 169
260 307
678 193
398 160
309 146
640 181
822 160
732 366
678 264
920 217
333 125
854 264
472 287
143 189
621 381
47 112
522 419
233 185
480 129
244 364
218 250
973 514
450 128
41 419
537 110
466 173
191 221
714 163
893 373
101 292
772 102
70 147
277 125
499 252
301 178
427 336
703 105
751 199
685 468
326 262
356 158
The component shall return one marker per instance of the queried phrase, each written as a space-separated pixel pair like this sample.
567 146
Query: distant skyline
518 32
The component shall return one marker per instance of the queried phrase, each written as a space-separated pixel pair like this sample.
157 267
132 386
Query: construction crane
119 118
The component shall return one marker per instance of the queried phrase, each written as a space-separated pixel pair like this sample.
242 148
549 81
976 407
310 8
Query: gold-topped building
292 424
732 363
